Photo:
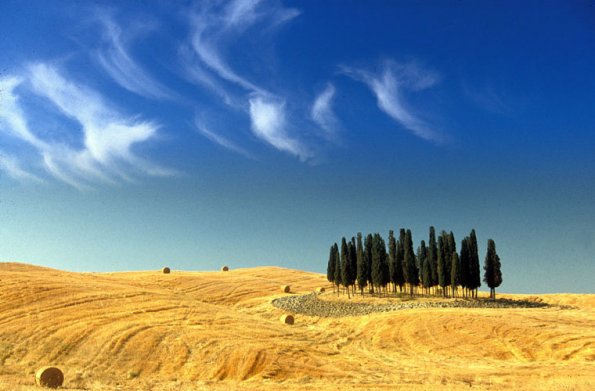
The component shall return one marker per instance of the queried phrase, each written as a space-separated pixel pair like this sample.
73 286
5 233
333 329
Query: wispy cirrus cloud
215 27
389 86
12 167
270 124
219 139
115 58
107 137
487 98
322 112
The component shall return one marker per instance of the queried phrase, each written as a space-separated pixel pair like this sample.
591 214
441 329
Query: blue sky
139 134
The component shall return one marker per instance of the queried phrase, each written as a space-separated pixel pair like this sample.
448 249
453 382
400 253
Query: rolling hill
219 331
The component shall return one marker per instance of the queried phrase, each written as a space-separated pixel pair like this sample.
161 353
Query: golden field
219 331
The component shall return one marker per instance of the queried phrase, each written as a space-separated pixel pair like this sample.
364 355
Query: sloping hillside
218 330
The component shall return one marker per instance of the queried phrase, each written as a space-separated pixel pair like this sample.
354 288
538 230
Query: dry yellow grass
218 331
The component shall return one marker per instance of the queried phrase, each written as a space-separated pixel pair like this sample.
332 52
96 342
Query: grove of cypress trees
492 267
361 276
330 268
392 259
374 265
433 258
454 273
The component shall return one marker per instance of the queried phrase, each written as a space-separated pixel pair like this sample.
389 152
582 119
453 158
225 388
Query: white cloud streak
215 26
117 62
220 140
322 112
388 87
269 124
107 136
11 166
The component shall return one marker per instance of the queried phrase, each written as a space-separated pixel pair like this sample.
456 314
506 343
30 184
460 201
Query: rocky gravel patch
311 305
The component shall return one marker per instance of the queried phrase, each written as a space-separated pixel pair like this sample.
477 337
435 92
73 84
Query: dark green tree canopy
361 275
330 268
376 265
433 257
492 267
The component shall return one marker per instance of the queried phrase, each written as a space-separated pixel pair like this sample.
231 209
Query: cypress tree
492 267
344 264
454 273
440 265
352 257
392 259
400 255
409 263
449 248
452 248
368 244
376 272
474 270
433 258
361 277
338 273
424 266
330 268
384 278
464 262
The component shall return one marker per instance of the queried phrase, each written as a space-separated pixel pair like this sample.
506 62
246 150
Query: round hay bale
287 319
285 288
320 289
51 377
165 270
224 269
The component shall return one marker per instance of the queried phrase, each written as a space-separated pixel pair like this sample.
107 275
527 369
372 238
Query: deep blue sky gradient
507 109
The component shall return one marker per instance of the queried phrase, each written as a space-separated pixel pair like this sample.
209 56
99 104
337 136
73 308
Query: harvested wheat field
220 331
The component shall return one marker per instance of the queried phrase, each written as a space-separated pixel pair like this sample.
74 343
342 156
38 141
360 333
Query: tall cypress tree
368 245
442 278
352 257
384 279
399 266
338 272
392 259
492 268
454 273
376 272
449 248
345 264
409 263
361 277
464 262
330 267
424 268
474 269
433 258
